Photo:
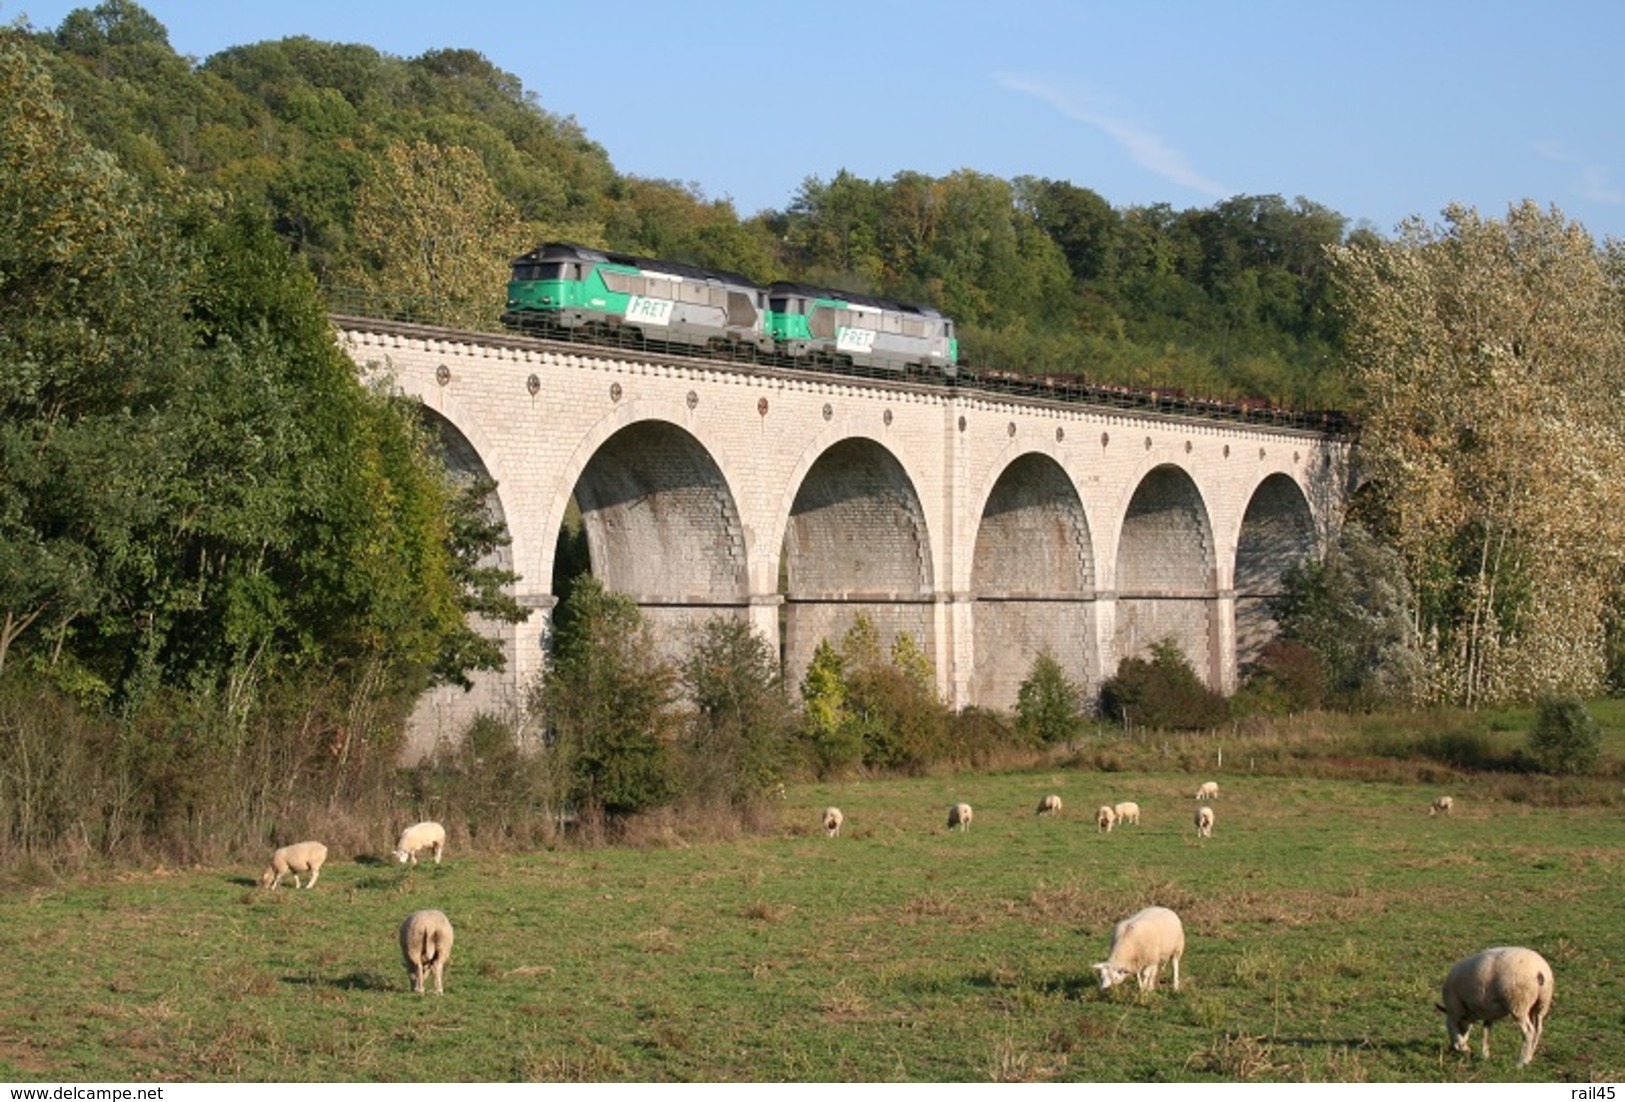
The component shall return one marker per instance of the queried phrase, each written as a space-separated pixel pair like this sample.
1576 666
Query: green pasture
1321 918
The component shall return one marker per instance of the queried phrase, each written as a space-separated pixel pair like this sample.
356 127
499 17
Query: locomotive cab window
548 271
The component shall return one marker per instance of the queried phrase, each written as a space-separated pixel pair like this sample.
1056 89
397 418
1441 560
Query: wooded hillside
408 183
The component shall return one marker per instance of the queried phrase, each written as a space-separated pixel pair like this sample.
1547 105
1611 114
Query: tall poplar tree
1490 357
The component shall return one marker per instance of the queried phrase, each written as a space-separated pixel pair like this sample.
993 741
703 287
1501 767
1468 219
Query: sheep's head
266 877
1456 1029
401 855
1110 974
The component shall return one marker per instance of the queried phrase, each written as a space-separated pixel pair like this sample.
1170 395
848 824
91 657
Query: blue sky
1380 110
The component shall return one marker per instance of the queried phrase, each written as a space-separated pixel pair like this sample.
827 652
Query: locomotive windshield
531 270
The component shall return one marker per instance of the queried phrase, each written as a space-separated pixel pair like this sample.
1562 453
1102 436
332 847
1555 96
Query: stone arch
444 712
1277 532
662 526
1166 572
1033 576
466 464
855 542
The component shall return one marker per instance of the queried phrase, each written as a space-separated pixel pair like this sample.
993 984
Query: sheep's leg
437 848
1484 1042
439 966
1176 971
1531 1037
314 873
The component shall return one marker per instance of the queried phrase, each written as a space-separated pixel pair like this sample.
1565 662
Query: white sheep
1508 982
1443 803
1127 812
832 821
1049 805
419 837
426 944
1105 818
1141 944
1208 791
1204 822
960 816
295 859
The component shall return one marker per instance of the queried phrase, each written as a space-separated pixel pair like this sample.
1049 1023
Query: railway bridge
990 526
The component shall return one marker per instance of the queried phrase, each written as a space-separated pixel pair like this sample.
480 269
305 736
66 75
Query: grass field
1321 918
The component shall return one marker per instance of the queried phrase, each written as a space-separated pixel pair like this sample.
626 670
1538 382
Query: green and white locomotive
564 289
832 326
618 298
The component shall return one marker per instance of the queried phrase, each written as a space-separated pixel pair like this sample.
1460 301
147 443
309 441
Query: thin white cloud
1145 148
1595 182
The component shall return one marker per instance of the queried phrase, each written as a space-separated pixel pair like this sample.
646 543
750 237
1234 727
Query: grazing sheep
1443 803
419 837
1208 791
1127 812
1141 943
426 944
1498 983
832 821
1204 822
1049 805
960 816
1105 819
297 858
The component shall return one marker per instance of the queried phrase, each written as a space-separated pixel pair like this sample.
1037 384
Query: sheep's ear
1440 1009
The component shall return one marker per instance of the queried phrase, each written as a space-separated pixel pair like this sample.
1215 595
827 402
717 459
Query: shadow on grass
355 981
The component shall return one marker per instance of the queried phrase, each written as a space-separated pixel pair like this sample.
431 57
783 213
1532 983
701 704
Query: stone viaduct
990 527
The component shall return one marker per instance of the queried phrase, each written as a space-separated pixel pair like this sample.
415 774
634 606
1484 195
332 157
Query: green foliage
205 517
608 701
893 702
1352 611
1049 705
1162 693
1041 275
1286 677
737 744
475 537
1565 739
501 788
834 743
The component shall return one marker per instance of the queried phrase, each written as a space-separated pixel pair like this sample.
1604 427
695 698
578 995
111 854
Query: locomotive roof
564 250
809 291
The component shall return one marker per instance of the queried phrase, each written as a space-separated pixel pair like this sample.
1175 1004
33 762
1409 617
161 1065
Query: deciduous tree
1491 361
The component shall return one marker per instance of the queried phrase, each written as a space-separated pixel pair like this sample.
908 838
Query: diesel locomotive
561 288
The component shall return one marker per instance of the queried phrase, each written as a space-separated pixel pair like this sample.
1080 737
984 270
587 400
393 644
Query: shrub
1161 692
1566 739
1049 705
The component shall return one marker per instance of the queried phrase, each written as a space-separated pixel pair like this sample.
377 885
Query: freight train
579 293
616 297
